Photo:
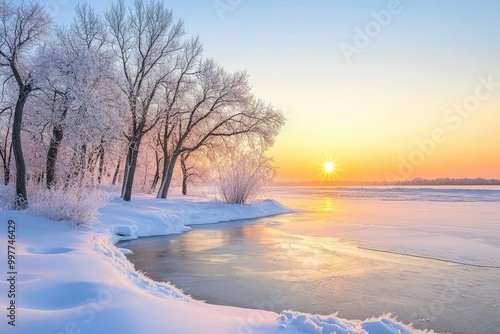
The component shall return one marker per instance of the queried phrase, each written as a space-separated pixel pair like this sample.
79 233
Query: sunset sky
418 94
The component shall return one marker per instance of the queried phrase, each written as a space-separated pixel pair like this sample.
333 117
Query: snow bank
77 281
147 216
320 325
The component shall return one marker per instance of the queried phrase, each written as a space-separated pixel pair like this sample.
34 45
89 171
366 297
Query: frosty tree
243 175
23 27
145 39
73 73
100 87
207 103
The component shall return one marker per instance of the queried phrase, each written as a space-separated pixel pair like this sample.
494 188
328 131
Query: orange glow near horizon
384 135
292 169
405 151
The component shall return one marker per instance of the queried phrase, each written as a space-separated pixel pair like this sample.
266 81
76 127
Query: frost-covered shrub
243 176
76 204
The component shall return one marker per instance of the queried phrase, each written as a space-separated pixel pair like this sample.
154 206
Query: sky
395 89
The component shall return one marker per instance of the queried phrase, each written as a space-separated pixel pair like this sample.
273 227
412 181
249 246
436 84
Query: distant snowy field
77 281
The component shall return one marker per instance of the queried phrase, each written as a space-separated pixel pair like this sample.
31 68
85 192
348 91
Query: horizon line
479 181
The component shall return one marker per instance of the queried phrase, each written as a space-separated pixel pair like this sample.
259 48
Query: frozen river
428 256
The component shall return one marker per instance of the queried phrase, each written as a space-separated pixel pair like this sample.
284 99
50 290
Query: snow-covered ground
77 281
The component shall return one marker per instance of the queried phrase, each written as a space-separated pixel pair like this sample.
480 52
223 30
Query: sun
329 167
329 170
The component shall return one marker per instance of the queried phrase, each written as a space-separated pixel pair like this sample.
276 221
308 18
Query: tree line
125 97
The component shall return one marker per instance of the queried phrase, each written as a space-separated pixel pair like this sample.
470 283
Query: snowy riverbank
77 281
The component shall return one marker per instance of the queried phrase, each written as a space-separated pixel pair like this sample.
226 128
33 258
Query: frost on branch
243 176
76 204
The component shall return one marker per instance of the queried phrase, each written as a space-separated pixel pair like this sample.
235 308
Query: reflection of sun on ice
329 167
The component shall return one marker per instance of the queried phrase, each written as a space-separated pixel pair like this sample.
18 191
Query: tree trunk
55 141
6 155
73 165
81 165
185 175
127 167
168 172
91 165
184 185
101 163
156 177
6 165
117 170
21 195
131 163
6 173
